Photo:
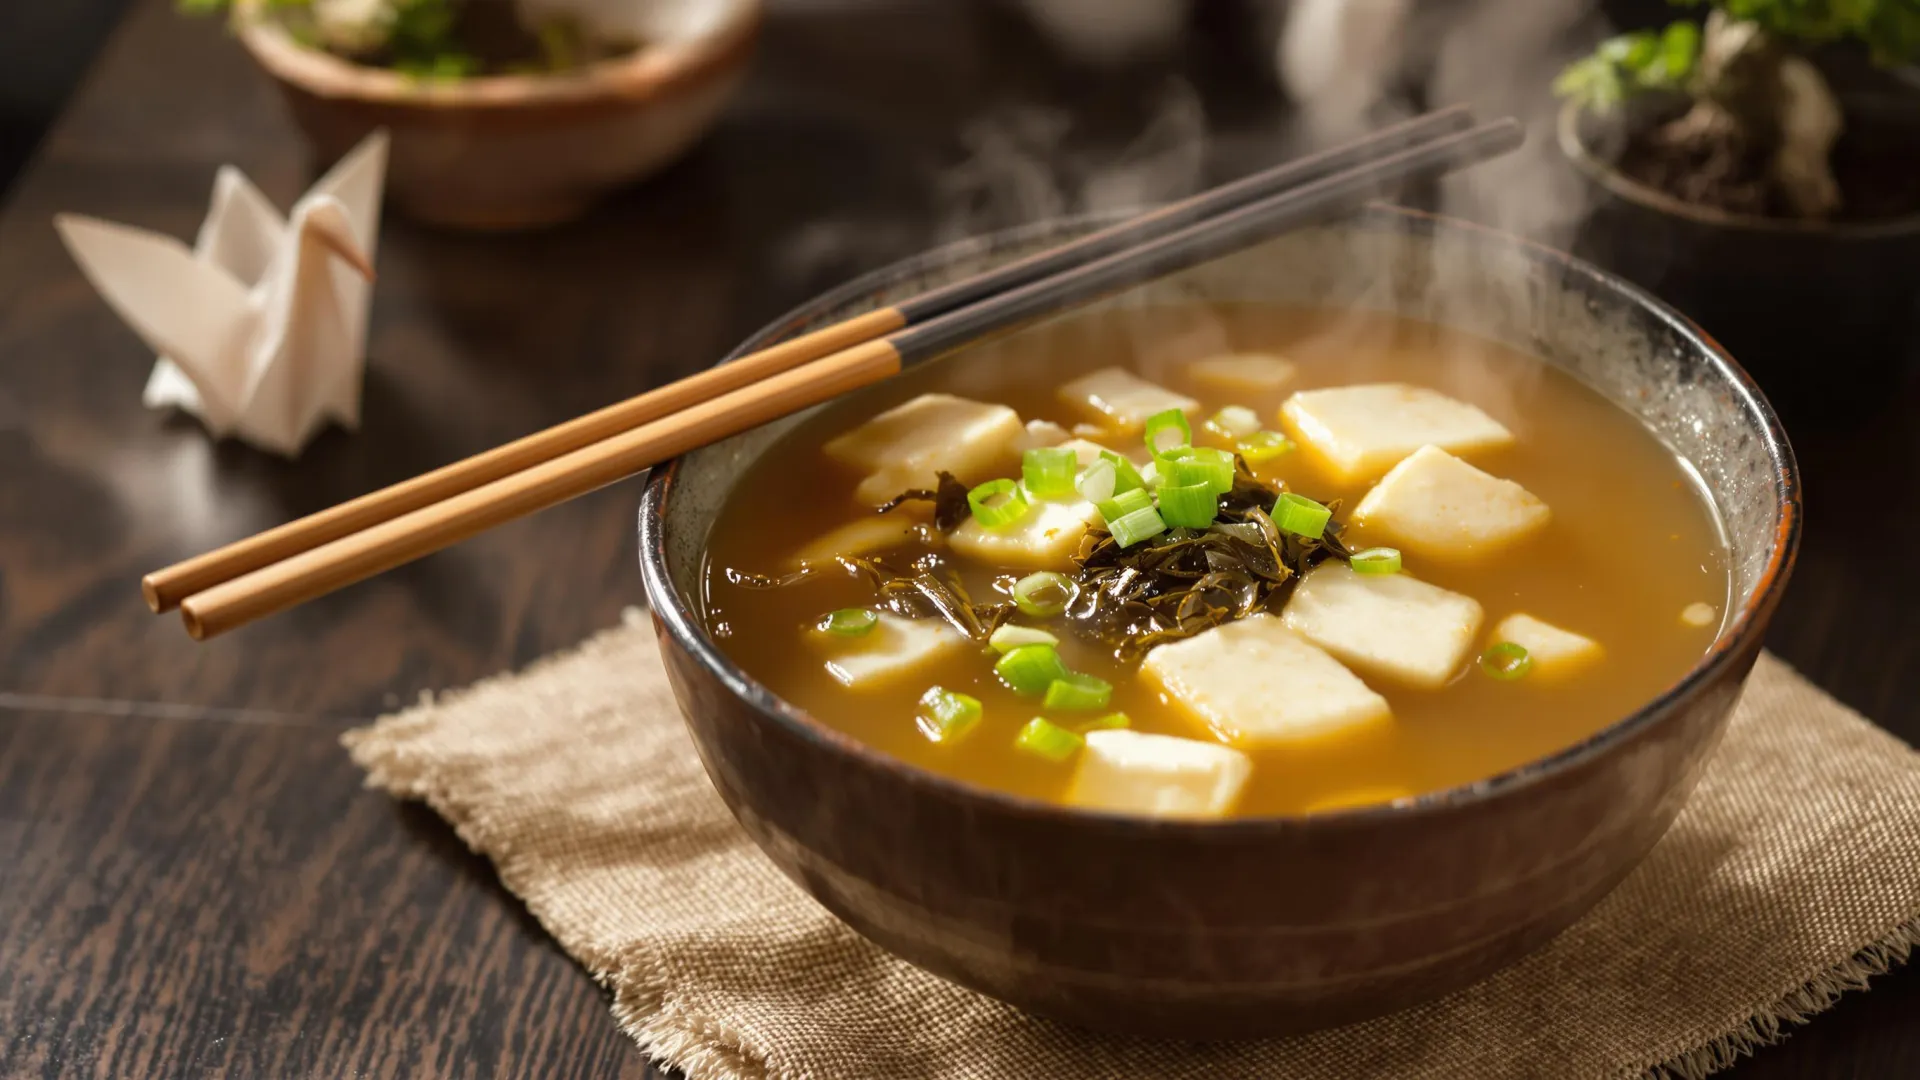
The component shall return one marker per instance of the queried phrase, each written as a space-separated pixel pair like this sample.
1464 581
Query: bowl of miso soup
1281 643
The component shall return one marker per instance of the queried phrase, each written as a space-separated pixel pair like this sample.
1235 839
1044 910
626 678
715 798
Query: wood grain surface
192 881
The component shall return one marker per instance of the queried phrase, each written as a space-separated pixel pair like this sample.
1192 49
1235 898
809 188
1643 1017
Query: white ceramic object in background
261 327
512 151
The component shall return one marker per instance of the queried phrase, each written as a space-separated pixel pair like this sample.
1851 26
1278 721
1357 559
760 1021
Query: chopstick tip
150 591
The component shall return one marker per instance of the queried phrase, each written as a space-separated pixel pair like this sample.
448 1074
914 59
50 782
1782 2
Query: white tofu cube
1362 431
1039 433
909 444
1385 624
1158 775
1243 373
1256 683
1437 505
894 648
1554 651
1086 450
862 537
1045 538
1122 400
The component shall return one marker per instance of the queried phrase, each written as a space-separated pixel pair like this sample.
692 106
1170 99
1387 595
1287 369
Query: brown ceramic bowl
515 151
1264 925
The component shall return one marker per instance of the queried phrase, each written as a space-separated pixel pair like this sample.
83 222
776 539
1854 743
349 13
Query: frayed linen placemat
1792 876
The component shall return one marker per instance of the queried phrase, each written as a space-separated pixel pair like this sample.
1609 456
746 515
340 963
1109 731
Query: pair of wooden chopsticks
317 554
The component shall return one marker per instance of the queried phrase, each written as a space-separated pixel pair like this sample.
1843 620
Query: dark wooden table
192 881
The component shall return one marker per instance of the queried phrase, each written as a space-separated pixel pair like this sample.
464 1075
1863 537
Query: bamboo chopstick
165 588
389 543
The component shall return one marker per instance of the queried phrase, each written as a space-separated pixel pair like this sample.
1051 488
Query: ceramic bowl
515 151
1254 926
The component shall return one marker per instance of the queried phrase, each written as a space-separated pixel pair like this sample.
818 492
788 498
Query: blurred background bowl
1254 926
516 151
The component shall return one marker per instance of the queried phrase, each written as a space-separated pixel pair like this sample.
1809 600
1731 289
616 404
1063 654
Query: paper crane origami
262 327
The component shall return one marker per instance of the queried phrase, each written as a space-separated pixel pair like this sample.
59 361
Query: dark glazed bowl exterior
1266 925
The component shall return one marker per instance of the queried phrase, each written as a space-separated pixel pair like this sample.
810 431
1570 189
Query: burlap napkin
1793 875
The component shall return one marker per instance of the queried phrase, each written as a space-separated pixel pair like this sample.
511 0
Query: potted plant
503 113
1756 172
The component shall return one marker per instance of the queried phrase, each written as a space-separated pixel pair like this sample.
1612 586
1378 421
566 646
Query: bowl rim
1737 638
650 71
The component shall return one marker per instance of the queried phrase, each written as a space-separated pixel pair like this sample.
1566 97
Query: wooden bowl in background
516 151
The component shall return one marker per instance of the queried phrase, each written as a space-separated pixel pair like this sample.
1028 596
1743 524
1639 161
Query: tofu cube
1039 433
1362 431
1086 450
862 537
909 444
1122 400
894 648
1554 652
1256 683
1158 775
1437 505
1385 624
1243 373
1045 538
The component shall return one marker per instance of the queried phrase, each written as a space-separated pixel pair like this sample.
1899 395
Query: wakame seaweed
949 499
1185 581
930 588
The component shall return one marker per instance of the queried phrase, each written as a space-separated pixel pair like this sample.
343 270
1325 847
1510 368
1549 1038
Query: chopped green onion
1098 481
848 622
1234 422
1300 515
946 716
1044 738
1110 721
1048 471
1078 692
1132 527
1379 560
1044 594
1198 465
1009 637
1125 477
1265 446
1172 422
1188 506
1123 504
1506 661
998 515
1030 669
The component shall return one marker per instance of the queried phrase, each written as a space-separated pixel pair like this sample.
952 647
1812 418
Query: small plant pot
517 151
1813 309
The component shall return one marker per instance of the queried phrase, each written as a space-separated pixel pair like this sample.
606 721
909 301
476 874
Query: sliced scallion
1506 661
1098 481
1125 476
1198 465
1081 693
1108 722
1265 446
1234 422
1045 739
1045 594
997 504
1168 430
1048 471
1123 504
946 716
1132 527
848 622
1188 506
1378 560
1030 669
1300 515
1008 637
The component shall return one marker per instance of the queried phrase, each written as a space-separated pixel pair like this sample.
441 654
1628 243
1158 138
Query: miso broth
1631 558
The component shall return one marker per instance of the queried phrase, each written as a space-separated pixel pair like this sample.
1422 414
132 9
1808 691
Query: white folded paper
262 327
